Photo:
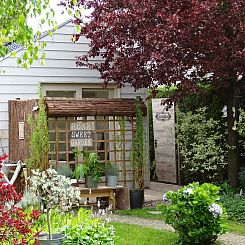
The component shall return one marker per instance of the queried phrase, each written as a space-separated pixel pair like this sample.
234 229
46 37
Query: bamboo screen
111 140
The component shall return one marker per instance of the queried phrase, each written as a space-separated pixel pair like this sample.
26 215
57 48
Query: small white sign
81 134
21 130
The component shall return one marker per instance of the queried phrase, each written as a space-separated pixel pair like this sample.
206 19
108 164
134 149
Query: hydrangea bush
195 213
54 191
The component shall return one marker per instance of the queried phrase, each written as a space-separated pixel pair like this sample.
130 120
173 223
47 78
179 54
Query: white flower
188 191
164 197
215 209
54 190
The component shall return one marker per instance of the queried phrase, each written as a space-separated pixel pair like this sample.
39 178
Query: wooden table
101 191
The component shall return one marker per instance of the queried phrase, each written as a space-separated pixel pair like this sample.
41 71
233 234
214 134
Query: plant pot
136 199
91 183
57 239
111 180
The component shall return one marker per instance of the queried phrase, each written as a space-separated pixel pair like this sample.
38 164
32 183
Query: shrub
17 226
234 206
195 214
202 147
81 228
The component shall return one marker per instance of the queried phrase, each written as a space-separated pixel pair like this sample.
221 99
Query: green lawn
236 227
143 213
138 235
146 213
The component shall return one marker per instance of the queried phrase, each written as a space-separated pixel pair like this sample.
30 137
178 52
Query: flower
54 190
188 191
215 209
164 197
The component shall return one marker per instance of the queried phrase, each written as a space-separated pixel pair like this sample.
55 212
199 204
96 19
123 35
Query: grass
234 227
142 213
138 235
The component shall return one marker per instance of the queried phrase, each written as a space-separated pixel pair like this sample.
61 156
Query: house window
96 93
61 94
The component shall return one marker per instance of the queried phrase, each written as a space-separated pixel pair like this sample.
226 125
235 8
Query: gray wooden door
164 141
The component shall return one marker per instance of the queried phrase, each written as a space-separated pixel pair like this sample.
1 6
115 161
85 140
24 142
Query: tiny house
61 81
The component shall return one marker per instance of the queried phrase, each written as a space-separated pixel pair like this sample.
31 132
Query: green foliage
234 205
91 167
241 126
195 214
241 176
202 147
165 91
206 97
30 199
137 151
111 169
65 170
39 145
82 228
15 28
226 189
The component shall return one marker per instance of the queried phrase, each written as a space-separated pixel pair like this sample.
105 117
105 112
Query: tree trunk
233 151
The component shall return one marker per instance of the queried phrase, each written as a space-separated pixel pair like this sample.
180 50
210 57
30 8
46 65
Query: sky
59 17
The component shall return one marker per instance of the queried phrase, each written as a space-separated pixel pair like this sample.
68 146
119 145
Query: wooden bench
111 192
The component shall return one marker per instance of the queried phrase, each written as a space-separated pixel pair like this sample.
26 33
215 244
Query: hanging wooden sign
81 134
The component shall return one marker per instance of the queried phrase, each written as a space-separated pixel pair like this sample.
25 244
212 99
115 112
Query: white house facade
59 77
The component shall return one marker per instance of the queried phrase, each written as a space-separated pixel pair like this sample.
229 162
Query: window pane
95 93
64 94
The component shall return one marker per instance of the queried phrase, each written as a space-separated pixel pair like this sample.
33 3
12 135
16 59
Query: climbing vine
137 153
39 146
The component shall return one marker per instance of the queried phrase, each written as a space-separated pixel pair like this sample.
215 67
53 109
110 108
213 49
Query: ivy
241 126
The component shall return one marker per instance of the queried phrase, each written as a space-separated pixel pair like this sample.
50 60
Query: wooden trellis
110 139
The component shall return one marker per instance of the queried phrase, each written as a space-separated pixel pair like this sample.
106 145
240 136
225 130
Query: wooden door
19 110
164 141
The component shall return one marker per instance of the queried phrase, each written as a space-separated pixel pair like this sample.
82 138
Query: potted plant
91 170
137 160
55 192
65 170
111 172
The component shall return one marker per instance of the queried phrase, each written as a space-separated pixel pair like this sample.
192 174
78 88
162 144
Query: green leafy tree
14 17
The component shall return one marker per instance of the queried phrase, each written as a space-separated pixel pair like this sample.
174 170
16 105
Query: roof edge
44 34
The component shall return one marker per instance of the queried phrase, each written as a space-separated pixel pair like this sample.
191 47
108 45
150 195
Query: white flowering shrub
195 213
203 147
54 191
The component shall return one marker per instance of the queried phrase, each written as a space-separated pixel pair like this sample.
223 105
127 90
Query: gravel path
226 239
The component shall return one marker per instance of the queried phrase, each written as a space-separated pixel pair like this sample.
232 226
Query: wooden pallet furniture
119 193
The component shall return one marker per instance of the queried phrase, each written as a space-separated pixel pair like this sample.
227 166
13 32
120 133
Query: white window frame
114 92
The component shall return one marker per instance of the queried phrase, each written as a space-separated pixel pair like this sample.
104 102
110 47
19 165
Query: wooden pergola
60 107
110 142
